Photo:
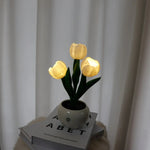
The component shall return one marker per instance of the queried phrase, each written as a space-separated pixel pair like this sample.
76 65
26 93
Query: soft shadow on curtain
34 34
139 132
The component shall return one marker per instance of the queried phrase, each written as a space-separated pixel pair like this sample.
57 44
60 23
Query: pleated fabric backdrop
34 34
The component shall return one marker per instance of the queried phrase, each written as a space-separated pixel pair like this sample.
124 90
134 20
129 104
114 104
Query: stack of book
50 134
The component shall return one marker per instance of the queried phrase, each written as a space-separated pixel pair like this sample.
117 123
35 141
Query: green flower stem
76 73
82 87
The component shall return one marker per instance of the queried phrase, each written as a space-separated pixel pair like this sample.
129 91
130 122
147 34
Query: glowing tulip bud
78 51
58 71
90 67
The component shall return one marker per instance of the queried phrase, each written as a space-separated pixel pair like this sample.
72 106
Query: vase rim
63 104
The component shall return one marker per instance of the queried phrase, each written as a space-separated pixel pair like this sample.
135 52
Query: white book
97 131
51 133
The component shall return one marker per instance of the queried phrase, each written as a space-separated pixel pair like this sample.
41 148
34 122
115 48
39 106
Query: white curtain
17 67
34 34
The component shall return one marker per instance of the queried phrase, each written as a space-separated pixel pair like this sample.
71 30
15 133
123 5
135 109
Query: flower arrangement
76 84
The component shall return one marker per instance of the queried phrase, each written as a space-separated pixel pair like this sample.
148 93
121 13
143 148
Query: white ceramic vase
73 118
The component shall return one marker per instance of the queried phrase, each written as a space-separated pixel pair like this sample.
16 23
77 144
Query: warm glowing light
90 67
59 70
78 51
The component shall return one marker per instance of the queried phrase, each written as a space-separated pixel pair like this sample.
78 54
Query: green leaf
92 82
67 83
86 86
76 73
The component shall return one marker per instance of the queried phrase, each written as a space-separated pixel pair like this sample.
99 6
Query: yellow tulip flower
90 67
78 51
59 70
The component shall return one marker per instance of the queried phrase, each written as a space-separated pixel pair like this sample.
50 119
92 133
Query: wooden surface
96 143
